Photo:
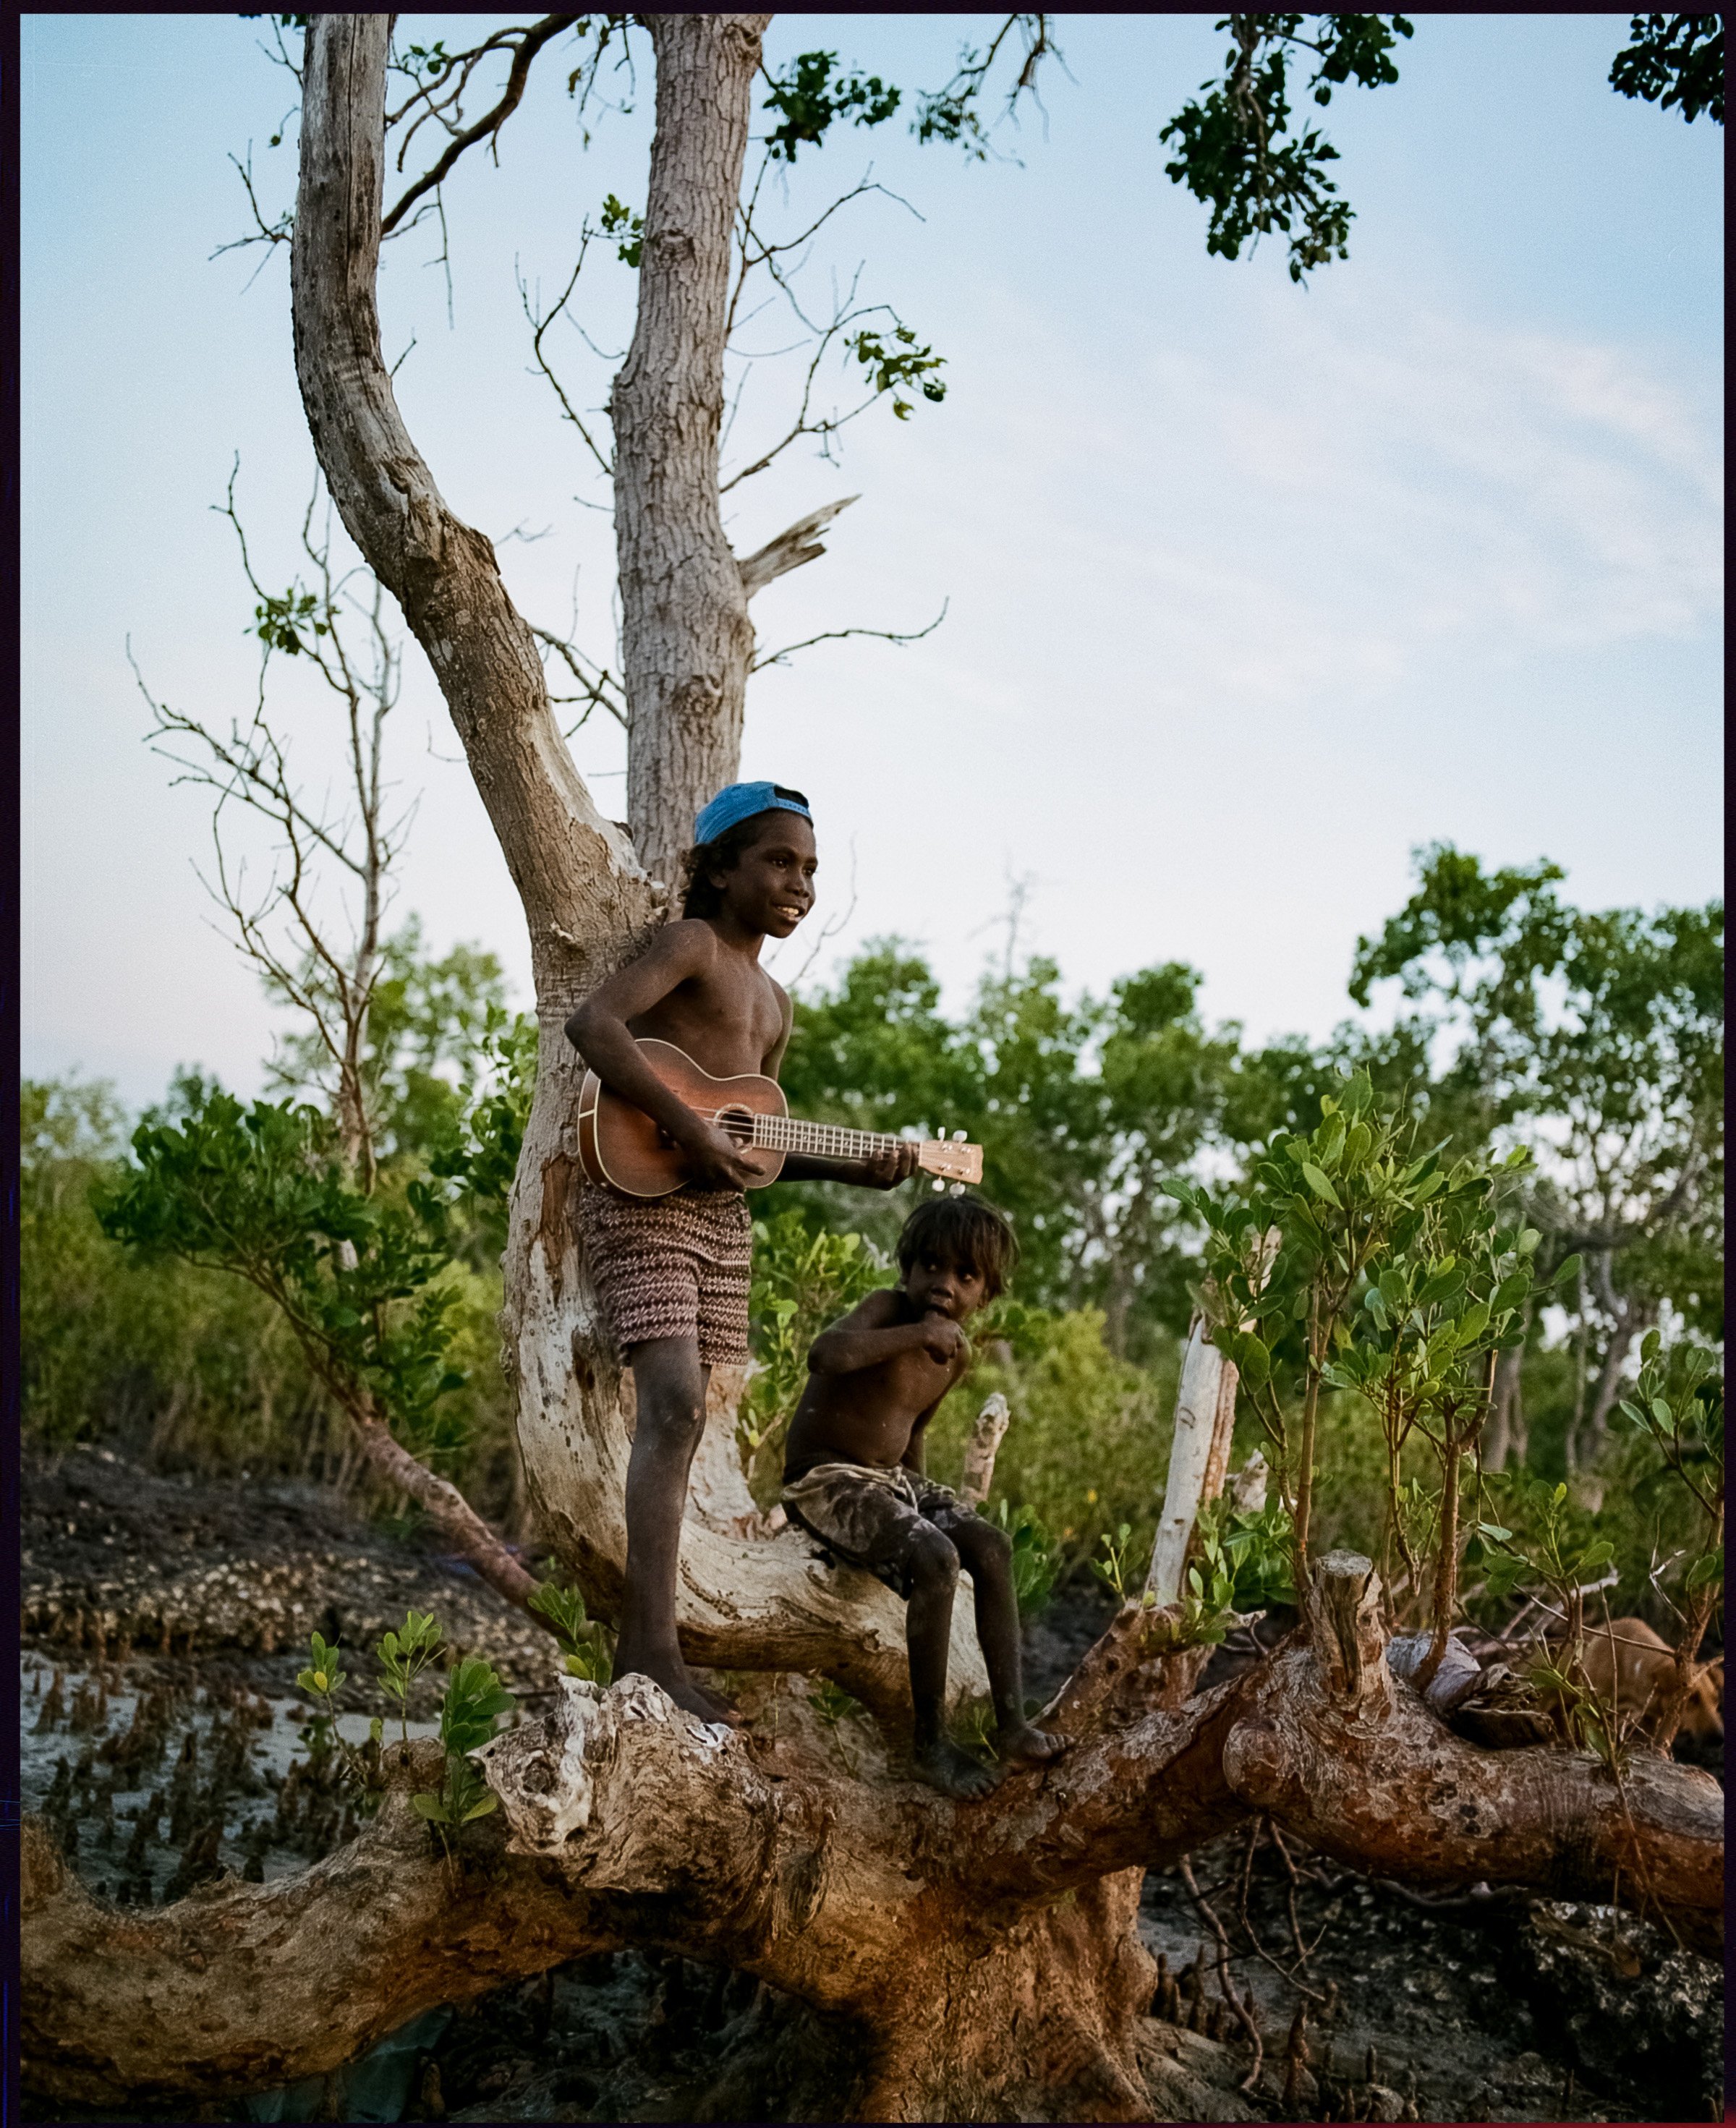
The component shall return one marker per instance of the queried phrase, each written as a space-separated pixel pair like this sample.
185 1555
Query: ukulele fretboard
824 1140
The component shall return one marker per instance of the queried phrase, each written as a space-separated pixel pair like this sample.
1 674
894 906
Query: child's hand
891 1165
715 1160
942 1340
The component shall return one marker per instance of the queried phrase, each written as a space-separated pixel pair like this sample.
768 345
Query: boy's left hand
887 1169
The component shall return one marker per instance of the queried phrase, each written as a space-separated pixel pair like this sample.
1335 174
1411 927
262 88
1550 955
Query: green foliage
1081 1111
1112 1569
1345 1260
1087 1448
896 367
583 1651
474 1701
156 1355
1541 1540
279 622
1597 1040
1677 1404
1232 151
447 1078
803 1280
1247 1556
1675 61
951 113
813 93
1036 1554
403 1655
835 1709
627 228
260 1192
322 1678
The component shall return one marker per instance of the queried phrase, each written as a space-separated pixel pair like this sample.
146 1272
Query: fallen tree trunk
981 1959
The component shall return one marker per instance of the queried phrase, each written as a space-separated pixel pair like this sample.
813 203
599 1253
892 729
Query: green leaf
431 1807
1254 1364
1319 1185
489 1801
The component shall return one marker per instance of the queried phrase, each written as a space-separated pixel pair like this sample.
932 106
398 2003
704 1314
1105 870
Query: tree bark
624 1821
687 641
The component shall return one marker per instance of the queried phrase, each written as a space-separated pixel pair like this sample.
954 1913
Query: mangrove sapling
1677 1404
1552 1545
1337 1200
1403 1284
1111 1569
584 1645
475 1699
1421 1349
403 1655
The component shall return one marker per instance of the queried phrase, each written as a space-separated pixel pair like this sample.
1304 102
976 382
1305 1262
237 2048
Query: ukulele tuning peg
938 1186
957 1137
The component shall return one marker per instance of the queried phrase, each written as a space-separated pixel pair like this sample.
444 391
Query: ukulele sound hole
738 1123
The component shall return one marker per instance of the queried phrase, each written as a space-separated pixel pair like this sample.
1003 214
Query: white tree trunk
1199 1455
982 1447
685 639
741 1604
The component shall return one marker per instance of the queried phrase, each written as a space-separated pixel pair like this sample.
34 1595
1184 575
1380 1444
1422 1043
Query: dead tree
971 1961
966 1961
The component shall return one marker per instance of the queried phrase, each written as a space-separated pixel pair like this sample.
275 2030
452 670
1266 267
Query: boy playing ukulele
672 1272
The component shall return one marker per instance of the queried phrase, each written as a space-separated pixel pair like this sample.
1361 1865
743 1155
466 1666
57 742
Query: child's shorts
674 1267
867 1517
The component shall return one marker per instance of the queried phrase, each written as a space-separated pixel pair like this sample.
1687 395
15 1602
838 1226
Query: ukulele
622 1147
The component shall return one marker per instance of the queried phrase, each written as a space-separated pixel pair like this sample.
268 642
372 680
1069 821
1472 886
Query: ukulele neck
822 1141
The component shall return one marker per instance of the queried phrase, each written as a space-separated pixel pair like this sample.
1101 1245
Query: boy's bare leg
928 1633
671 1387
986 1553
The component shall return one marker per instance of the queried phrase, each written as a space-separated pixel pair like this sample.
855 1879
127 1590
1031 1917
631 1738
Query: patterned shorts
867 1516
674 1267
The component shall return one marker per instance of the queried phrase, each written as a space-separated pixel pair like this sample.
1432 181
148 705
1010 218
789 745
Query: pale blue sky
1251 588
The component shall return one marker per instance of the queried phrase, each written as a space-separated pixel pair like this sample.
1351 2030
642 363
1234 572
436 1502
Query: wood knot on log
1341 1614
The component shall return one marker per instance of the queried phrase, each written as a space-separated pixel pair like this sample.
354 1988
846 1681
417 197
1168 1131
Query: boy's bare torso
876 1414
727 1013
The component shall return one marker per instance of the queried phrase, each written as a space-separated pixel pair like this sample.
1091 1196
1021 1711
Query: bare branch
791 548
529 43
838 635
601 687
539 327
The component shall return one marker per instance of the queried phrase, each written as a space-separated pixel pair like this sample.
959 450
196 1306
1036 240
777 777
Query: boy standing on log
854 1477
672 1272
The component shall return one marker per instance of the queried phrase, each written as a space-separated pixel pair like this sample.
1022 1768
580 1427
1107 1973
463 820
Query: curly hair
965 1231
700 896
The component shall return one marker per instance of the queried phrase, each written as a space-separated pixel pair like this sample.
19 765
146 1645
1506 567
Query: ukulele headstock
951 1159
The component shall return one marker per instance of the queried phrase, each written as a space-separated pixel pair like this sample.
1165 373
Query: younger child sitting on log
853 1476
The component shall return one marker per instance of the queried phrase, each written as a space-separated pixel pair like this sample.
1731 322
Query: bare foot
722 1710
1027 1746
943 1766
678 1681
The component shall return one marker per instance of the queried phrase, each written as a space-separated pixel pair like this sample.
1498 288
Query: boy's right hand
942 1340
715 1160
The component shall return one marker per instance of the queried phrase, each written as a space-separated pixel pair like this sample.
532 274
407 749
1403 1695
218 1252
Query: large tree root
986 1952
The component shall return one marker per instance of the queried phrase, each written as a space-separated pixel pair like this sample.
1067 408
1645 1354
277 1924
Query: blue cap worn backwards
741 801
